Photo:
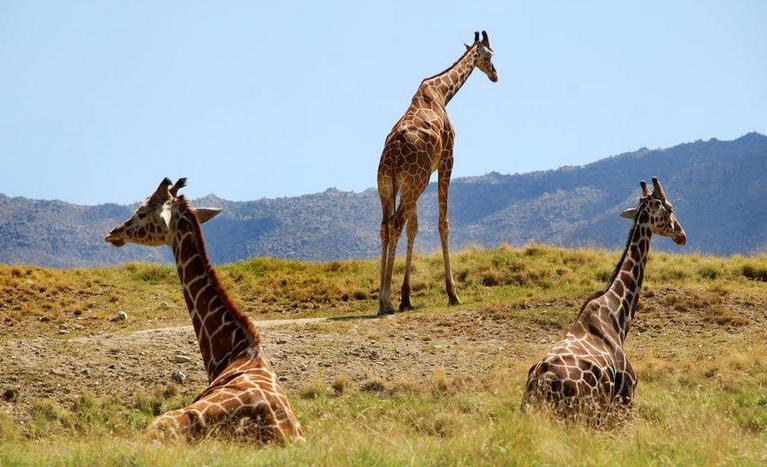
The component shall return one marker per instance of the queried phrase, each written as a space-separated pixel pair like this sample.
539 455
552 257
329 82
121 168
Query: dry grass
698 347
676 421
313 389
341 384
39 301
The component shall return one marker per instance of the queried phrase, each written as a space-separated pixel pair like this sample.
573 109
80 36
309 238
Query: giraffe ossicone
420 143
587 375
244 398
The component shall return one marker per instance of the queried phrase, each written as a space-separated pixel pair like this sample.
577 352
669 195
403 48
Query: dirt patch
400 347
348 352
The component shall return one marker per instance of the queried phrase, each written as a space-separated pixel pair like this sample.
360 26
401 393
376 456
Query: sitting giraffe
244 398
587 374
420 143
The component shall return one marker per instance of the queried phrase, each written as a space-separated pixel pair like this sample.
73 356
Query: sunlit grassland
702 396
680 417
31 298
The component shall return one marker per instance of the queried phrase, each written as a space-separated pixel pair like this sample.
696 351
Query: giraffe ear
206 214
629 213
467 46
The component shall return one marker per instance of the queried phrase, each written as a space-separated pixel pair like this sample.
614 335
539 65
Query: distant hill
719 189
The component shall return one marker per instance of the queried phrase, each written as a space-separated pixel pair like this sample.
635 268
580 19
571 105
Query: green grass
702 395
675 422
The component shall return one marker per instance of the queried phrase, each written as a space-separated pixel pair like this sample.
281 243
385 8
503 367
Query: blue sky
100 100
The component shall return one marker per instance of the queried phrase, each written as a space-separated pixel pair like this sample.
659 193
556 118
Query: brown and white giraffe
420 143
244 398
587 375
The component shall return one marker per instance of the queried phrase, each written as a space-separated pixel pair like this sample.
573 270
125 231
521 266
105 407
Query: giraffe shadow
352 317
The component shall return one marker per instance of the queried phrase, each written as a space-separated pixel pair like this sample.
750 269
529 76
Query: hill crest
568 206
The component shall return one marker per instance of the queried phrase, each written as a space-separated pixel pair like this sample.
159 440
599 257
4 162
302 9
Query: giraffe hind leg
387 193
395 230
384 290
444 229
412 230
257 423
252 420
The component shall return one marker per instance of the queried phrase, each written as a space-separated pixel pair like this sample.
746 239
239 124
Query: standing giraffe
244 398
420 143
588 374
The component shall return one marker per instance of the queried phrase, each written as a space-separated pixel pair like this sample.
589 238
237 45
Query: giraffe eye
141 215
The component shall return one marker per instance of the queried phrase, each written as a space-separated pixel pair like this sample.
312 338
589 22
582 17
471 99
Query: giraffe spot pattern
588 373
420 143
245 399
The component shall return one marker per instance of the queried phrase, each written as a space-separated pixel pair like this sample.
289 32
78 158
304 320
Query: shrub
757 273
11 394
341 383
312 389
373 385
360 295
708 272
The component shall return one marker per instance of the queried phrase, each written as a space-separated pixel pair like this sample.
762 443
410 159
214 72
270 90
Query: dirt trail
150 333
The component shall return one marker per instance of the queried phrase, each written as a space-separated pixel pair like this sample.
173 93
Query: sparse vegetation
341 383
755 272
434 386
313 389
36 300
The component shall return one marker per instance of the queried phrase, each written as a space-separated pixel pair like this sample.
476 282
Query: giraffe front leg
175 425
445 169
625 385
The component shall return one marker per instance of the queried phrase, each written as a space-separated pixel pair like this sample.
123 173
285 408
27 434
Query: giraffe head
151 223
485 55
663 221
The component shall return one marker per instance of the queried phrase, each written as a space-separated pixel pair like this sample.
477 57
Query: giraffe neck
445 85
223 331
622 293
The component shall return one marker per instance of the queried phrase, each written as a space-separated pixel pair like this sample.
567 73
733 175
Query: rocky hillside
718 188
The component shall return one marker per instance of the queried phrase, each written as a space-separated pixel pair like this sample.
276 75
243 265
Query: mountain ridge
568 206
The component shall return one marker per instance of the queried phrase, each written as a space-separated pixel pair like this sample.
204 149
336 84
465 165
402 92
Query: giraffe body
244 398
420 143
245 401
587 375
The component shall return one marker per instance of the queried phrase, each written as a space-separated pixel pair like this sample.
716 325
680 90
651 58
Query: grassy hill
434 386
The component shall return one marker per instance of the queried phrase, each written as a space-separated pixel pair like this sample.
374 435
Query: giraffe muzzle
680 239
114 239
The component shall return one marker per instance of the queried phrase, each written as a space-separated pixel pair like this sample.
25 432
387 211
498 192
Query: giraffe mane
451 66
242 319
617 265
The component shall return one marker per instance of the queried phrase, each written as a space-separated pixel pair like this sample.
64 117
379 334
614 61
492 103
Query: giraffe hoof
405 306
454 301
385 311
